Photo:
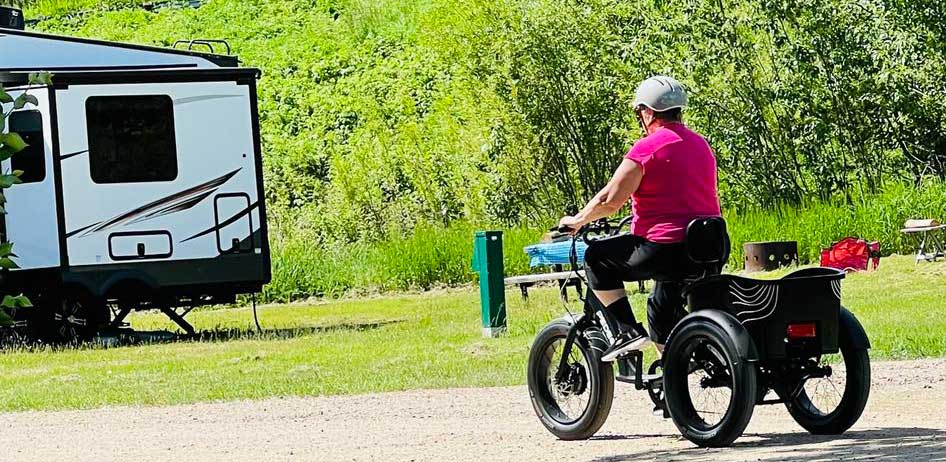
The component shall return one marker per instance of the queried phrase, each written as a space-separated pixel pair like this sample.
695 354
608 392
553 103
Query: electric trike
744 342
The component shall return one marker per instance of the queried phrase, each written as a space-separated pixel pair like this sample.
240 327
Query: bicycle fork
594 315
630 369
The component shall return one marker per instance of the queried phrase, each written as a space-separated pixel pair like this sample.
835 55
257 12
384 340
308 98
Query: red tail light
798 331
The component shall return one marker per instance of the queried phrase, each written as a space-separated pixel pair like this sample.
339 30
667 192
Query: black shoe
631 339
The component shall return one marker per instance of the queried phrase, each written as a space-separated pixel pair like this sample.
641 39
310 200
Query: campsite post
488 262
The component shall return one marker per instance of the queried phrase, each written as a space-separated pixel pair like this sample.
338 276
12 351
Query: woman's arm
611 198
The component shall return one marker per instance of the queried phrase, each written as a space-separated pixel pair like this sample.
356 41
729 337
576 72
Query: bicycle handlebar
602 226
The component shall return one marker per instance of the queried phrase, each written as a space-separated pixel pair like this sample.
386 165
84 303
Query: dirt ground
905 420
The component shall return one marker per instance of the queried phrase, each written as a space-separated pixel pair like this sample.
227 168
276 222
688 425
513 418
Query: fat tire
601 385
856 393
676 392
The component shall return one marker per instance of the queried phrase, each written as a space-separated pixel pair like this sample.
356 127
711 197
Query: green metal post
488 262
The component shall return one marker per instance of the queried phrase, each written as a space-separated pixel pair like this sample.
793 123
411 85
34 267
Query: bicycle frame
592 307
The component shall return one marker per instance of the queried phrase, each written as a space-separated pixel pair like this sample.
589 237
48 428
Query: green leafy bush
383 119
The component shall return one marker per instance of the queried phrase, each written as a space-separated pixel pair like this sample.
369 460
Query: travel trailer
142 184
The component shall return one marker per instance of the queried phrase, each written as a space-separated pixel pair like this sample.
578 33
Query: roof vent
11 18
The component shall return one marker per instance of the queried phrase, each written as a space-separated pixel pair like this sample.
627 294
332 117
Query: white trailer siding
31 222
195 215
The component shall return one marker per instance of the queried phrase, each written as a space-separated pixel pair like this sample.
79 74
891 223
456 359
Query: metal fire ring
768 256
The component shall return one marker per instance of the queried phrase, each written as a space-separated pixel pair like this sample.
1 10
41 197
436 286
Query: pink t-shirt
679 183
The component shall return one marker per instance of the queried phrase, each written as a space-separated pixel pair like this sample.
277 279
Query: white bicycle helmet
660 93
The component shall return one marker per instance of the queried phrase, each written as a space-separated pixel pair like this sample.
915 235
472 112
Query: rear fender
851 333
745 347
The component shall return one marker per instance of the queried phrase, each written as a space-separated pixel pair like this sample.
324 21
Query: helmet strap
640 120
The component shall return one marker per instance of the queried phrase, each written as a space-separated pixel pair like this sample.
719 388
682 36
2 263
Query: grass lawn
398 342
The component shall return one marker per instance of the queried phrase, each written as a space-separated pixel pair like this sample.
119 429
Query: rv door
31 222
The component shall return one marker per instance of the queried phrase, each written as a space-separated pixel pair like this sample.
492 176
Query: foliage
816 225
430 257
433 255
382 116
46 8
801 99
401 111
566 78
10 144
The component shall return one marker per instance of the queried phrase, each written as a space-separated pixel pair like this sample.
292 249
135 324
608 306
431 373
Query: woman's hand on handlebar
570 225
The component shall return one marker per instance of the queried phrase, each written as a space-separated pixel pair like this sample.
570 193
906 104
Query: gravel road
905 420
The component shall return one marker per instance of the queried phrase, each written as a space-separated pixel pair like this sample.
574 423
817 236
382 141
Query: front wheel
710 391
575 404
831 404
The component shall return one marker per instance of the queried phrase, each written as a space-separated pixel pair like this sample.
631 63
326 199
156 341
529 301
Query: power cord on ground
259 330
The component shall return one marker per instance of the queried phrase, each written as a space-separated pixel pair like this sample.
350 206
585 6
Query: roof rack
208 43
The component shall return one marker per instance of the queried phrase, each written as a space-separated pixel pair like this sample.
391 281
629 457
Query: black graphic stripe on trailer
171 204
225 223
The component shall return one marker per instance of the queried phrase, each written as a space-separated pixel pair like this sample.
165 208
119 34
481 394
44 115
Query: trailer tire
39 320
78 315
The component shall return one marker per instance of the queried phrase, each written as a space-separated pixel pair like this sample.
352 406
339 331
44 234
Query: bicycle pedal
661 412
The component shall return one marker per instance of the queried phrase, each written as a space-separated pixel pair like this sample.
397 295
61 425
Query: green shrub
389 126
11 144
433 110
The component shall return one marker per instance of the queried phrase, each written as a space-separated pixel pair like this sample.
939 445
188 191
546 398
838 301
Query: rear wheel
830 405
710 392
574 406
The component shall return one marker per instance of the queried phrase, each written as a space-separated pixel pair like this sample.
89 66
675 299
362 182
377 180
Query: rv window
32 160
131 139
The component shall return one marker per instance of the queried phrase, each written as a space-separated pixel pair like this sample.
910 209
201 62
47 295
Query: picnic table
554 255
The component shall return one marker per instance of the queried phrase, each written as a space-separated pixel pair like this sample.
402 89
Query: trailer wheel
78 316
38 320
19 329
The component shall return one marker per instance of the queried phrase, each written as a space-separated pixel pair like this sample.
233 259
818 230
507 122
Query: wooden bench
565 279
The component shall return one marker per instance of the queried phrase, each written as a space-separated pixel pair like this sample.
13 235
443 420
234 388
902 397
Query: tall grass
305 265
817 225
431 256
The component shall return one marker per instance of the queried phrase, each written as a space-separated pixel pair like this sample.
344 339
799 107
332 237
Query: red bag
851 254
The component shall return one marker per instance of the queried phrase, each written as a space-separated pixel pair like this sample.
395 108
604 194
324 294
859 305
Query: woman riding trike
725 341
